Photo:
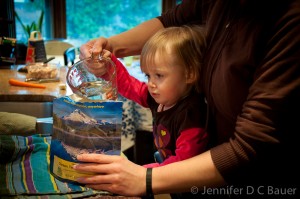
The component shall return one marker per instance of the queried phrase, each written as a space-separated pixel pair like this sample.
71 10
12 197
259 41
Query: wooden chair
56 47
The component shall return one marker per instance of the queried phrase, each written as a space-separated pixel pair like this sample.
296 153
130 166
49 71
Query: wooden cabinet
7 30
7 20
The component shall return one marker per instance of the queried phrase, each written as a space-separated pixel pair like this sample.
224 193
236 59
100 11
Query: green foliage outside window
85 19
29 16
88 19
34 26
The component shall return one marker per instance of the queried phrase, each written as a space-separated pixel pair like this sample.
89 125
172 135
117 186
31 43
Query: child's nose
151 84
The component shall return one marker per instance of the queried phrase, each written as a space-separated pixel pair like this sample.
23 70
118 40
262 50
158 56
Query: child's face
166 80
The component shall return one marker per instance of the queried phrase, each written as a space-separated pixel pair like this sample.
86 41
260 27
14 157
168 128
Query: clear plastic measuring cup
95 87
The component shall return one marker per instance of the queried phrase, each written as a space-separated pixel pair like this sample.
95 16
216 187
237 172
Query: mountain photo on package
83 127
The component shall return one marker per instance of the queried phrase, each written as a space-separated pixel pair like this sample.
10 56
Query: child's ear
190 78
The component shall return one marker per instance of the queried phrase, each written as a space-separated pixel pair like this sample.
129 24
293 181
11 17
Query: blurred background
77 20
73 21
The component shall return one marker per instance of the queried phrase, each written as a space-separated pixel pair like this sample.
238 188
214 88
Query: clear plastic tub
38 71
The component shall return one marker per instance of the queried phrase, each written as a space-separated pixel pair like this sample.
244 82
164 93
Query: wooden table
16 93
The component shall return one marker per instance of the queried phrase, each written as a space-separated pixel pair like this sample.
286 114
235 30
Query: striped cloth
24 170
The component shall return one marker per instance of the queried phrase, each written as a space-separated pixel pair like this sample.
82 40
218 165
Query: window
29 14
81 20
88 19
85 19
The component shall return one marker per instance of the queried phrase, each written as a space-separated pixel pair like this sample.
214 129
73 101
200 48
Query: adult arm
132 41
118 175
124 44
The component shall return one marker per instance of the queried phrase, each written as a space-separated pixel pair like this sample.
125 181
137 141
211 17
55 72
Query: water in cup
98 90
86 84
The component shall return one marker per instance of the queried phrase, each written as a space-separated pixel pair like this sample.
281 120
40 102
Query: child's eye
159 75
147 76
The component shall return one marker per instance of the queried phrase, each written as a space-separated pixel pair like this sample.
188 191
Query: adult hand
97 65
94 48
115 174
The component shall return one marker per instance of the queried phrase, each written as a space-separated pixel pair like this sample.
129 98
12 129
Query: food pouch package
83 126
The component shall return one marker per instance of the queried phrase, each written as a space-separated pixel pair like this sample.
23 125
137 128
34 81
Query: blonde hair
186 43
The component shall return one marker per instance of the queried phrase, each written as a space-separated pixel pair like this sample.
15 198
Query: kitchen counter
17 93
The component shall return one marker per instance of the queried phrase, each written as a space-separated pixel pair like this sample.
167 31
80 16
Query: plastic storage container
38 71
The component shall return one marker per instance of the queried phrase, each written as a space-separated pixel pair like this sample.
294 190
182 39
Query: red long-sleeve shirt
179 131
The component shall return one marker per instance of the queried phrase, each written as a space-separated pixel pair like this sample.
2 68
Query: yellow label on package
64 169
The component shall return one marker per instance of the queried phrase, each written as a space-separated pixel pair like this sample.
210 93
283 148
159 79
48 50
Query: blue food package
83 127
